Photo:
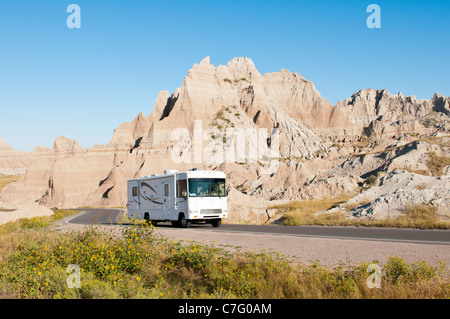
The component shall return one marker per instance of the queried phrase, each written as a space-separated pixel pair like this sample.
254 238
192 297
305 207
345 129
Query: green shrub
397 269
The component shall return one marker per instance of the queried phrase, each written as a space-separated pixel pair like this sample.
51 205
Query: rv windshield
207 187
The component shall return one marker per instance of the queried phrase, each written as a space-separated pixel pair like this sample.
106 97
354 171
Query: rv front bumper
207 214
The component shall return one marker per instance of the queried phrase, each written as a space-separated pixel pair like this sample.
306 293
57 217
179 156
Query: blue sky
83 83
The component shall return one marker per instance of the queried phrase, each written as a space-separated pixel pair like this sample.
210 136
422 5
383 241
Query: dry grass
421 186
7 179
313 212
416 171
422 216
436 163
304 212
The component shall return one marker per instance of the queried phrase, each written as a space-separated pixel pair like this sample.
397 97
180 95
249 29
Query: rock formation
320 150
385 116
4 147
398 189
12 162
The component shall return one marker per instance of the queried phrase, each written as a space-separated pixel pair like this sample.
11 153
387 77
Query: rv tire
183 222
216 222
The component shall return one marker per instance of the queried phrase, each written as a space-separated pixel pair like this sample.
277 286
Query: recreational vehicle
179 197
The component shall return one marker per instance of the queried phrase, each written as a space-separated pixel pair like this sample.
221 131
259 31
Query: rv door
169 197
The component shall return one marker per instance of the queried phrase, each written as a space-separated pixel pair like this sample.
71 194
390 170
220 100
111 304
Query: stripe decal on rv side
148 198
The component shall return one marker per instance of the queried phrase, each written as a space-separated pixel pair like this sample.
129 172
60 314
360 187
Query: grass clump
371 180
424 216
436 163
417 171
304 212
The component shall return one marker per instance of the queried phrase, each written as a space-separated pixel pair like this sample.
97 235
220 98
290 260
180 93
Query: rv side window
166 189
181 188
134 191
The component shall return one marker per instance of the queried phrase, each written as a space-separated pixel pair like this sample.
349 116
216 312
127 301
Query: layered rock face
293 144
12 162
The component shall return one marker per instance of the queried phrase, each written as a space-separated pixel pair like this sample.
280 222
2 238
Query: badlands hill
296 145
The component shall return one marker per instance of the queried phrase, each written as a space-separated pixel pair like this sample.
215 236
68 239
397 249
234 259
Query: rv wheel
216 222
183 222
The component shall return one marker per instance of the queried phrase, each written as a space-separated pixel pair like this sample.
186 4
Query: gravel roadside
306 250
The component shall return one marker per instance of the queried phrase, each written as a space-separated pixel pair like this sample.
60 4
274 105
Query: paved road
112 216
96 216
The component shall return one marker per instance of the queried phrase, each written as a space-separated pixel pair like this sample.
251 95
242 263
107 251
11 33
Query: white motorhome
181 198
